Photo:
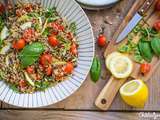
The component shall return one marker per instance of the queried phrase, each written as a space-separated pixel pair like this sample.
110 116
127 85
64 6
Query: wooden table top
80 105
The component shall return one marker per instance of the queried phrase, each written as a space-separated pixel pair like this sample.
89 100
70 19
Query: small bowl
96 4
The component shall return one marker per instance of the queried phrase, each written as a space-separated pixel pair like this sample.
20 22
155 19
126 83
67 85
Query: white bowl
72 12
97 4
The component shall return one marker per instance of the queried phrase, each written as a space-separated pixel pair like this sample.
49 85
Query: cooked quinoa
37 48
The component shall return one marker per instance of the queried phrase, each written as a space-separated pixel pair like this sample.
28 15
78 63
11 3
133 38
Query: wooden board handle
108 93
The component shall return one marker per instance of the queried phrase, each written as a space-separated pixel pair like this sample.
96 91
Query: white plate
72 12
96 4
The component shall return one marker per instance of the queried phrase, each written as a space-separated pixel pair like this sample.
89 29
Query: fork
6 9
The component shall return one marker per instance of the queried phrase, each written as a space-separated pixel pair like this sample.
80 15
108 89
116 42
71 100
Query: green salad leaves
31 53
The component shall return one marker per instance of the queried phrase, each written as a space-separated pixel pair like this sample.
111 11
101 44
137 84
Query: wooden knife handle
108 93
147 4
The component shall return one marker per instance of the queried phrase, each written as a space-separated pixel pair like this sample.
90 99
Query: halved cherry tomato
156 25
101 40
73 49
28 34
41 67
38 77
18 13
46 59
157 6
22 83
20 44
53 40
49 70
57 26
2 8
69 36
145 68
69 68
30 70
9 7
28 7
55 33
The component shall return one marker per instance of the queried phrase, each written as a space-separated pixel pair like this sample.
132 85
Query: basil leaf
1 23
51 19
73 27
137 56
42 85
2 75
30 54
46 31
14 88
50 12
33 14
1 42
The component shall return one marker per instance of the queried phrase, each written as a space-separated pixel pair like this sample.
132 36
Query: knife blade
135 20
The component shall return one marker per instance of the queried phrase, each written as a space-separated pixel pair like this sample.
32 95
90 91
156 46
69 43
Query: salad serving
37 48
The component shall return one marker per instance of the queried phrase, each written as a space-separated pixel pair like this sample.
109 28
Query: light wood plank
85 96
65 115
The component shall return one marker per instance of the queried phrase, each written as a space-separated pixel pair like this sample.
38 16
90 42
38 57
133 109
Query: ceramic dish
71 12
96 4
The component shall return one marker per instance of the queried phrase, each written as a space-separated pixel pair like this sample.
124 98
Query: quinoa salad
38 49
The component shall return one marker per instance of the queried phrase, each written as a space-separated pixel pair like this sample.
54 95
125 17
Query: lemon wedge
119 65
134 93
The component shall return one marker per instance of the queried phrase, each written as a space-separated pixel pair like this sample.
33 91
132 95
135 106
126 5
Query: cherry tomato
69 68
38 77
9 7
55 33
28 34
2 8
18 13
156 25
101 40
145 68
22 83
46 59
30 70
20 44
53 40
49 70
157 6
41 67
28 7
69 36
73 49
57 26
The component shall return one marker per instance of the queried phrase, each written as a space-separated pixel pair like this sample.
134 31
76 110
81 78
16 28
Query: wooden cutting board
108 93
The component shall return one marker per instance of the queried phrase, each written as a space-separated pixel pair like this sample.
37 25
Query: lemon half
134 93
110 57
119 65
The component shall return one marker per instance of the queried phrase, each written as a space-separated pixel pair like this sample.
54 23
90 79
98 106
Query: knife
135 20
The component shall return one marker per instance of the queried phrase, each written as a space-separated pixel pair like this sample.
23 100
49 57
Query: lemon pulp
131 87
121 66
110 57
